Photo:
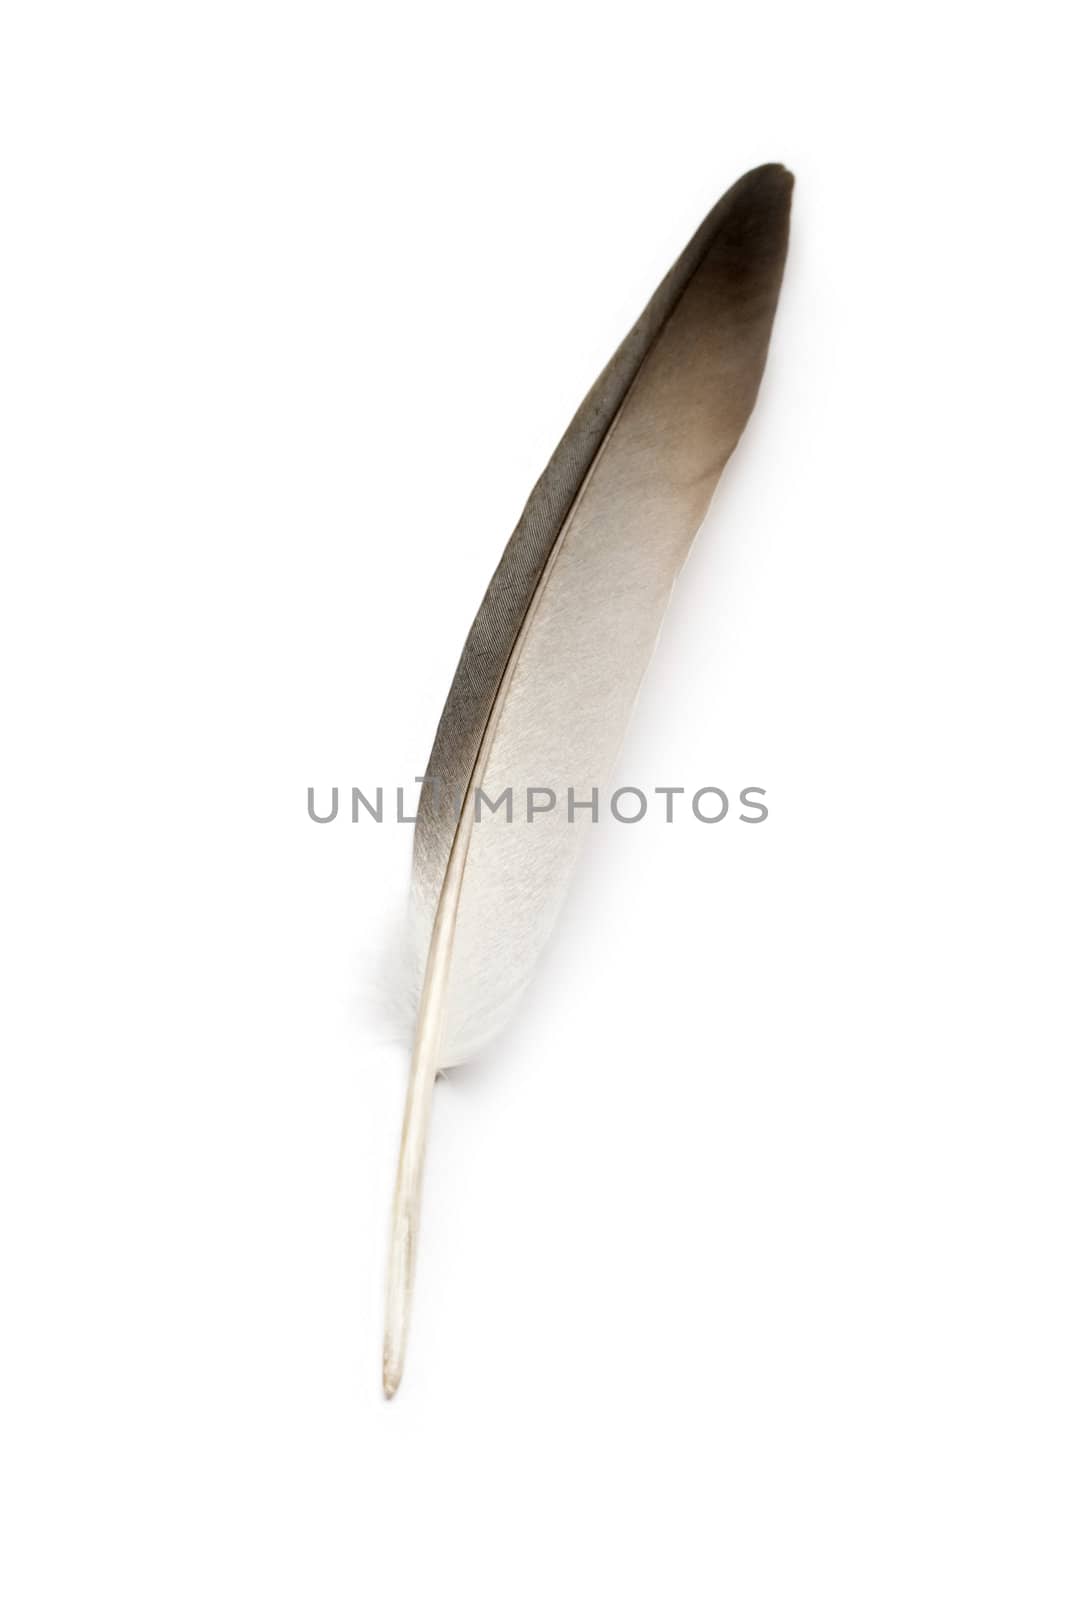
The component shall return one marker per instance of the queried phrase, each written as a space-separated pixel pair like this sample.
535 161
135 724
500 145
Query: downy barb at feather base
555 657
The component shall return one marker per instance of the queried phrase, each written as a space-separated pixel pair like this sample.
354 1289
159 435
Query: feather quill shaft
554 658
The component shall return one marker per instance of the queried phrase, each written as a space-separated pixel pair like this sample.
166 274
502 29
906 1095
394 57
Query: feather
554 660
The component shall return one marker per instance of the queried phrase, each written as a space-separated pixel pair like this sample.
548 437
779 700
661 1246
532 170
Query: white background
296 301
